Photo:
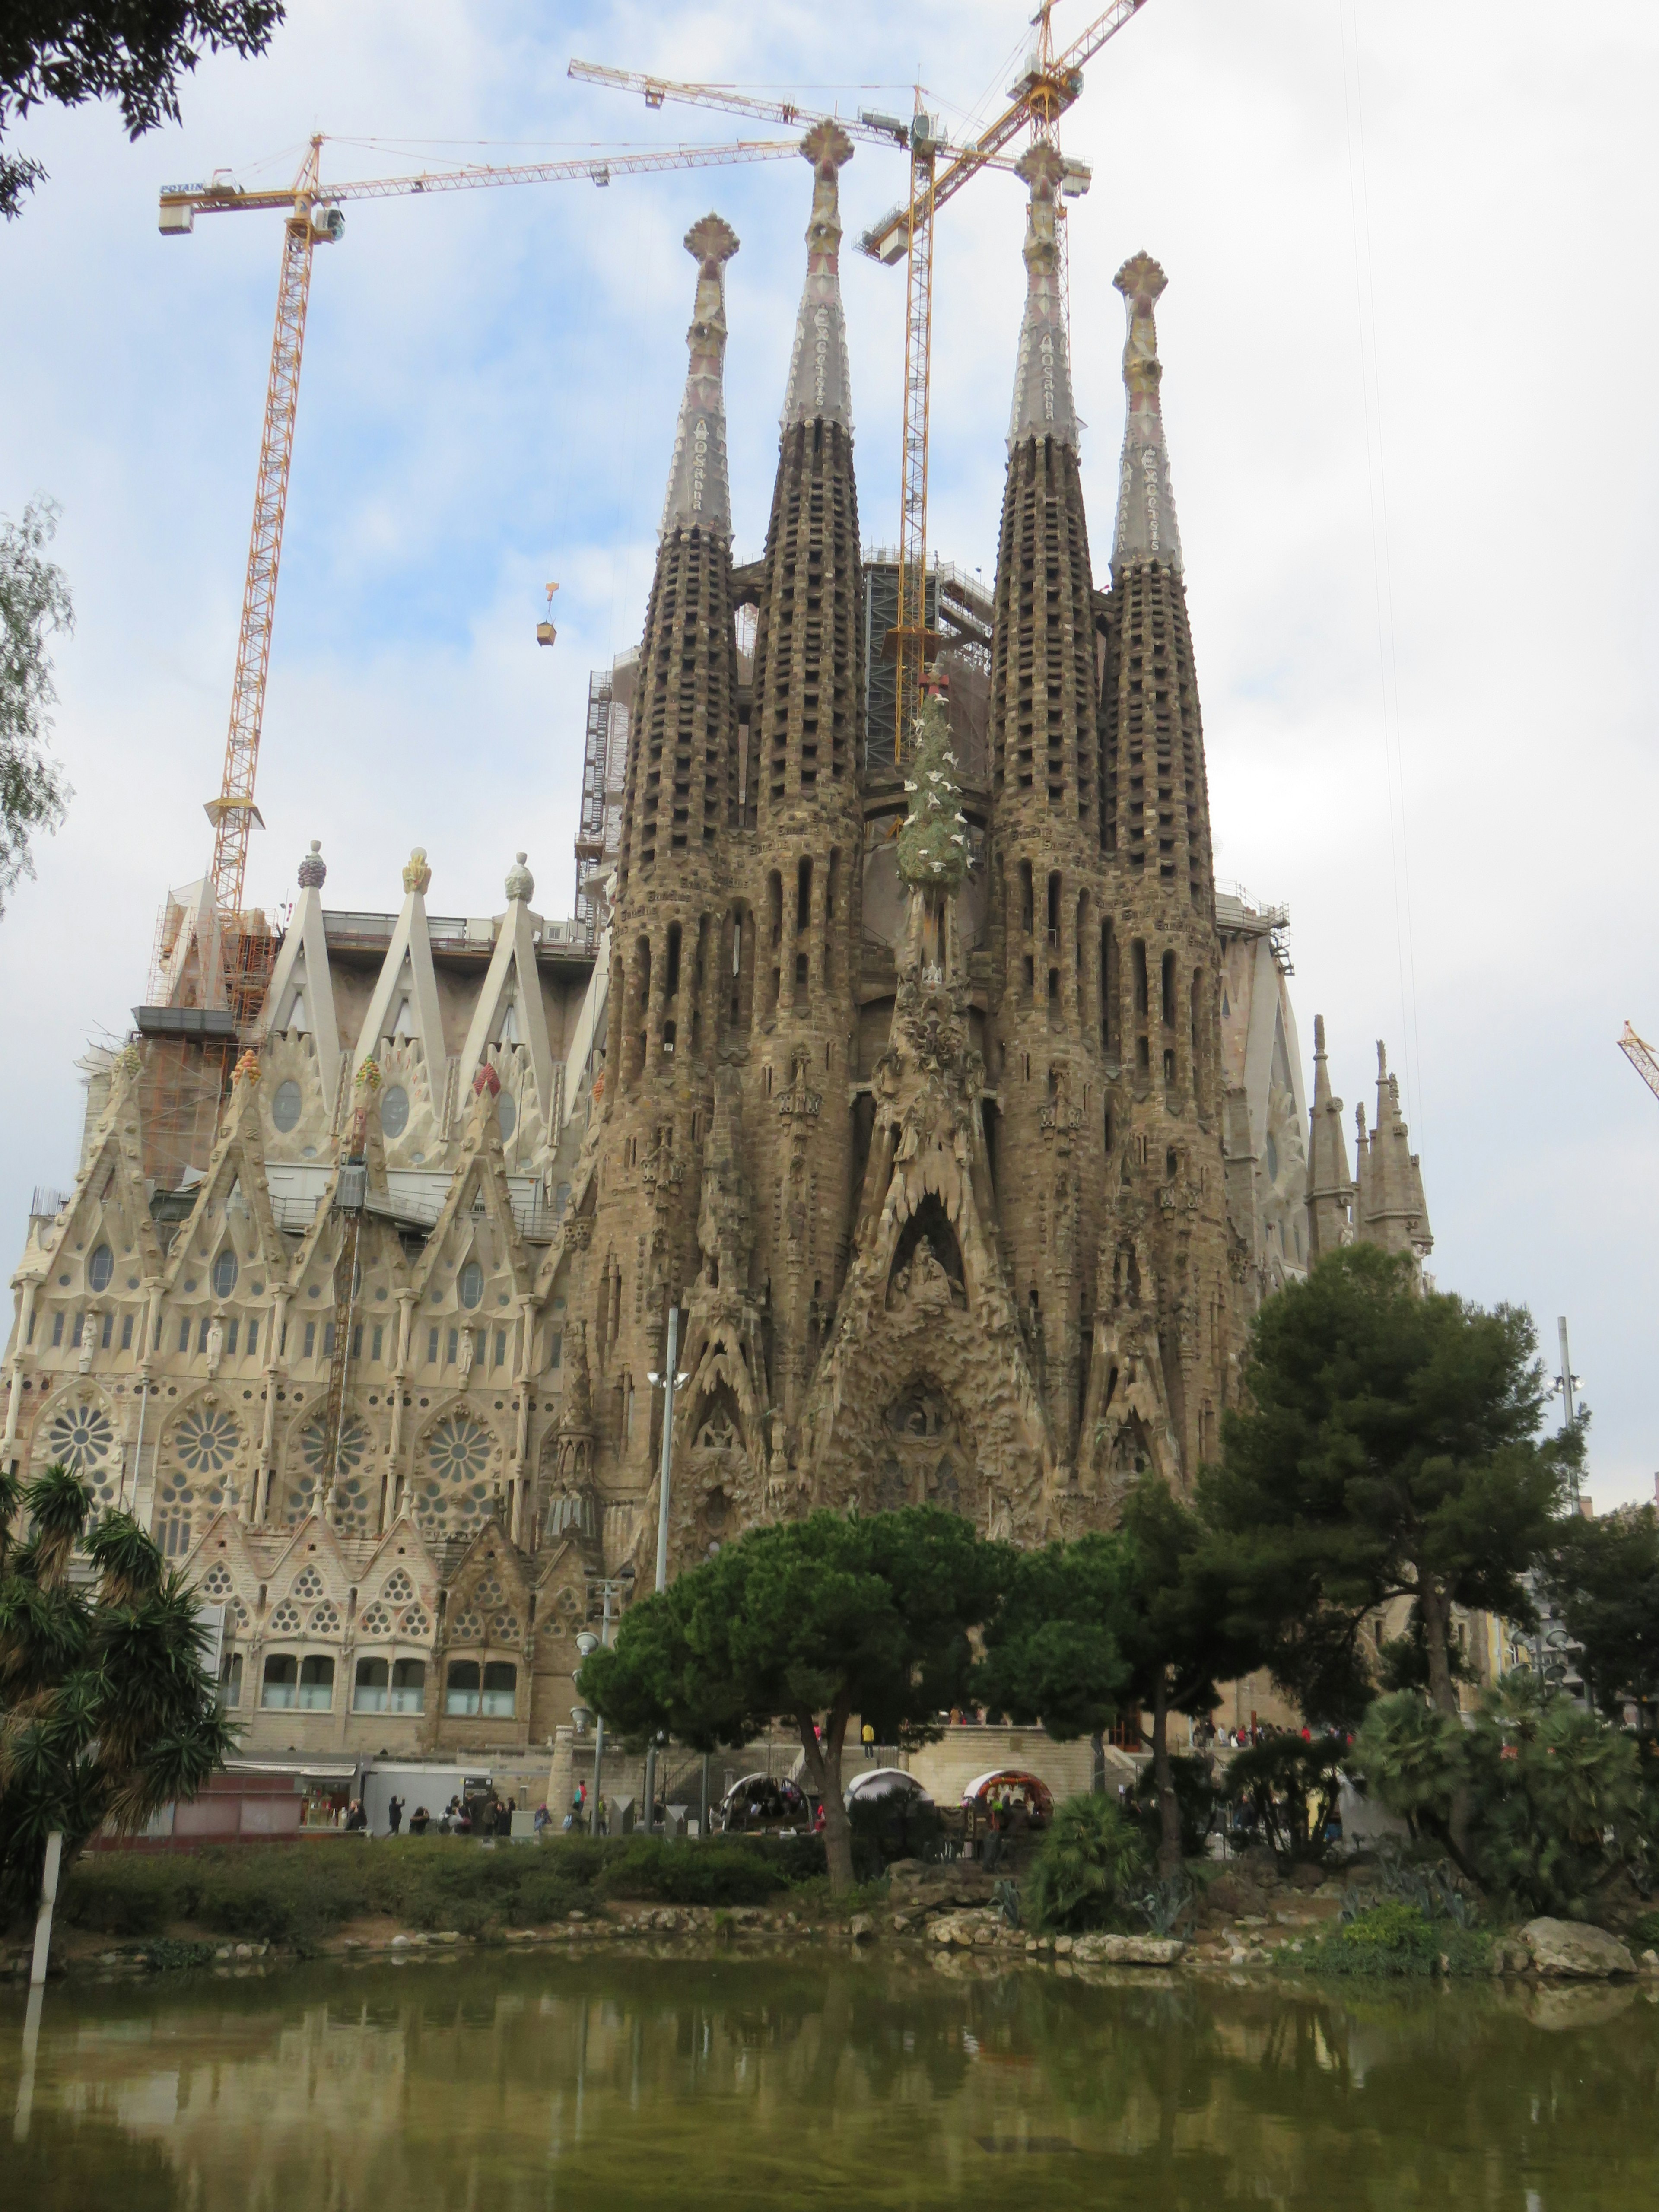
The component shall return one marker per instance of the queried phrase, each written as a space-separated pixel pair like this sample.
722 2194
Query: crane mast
312 217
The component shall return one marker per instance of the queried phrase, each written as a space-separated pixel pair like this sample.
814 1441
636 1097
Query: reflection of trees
739 2081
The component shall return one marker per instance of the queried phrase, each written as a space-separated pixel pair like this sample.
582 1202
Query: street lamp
609 1587
667 1382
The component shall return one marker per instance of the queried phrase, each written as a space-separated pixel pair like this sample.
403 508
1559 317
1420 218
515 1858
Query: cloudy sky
1409 345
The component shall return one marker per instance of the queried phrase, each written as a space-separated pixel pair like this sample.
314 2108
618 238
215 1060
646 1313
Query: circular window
80 1438
507 1114
206 1440
100 1267
470 1289
394 1110
453 1494
224 1273
285 1106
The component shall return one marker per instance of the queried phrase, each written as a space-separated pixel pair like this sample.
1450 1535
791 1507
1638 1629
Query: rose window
468 1628
453 1494
414 1621
307 1585
285 1621
375 1621
80 1438
398 1590
216 1583
354 1444
206 1440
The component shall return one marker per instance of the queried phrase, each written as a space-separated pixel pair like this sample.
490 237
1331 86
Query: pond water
510 2082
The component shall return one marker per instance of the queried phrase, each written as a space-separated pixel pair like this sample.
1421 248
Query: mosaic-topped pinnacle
1146 527
417 875
699 491
314 869
820 388
1042 404
521 883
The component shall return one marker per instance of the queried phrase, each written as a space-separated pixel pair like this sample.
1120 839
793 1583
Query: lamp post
667 1382
608 1586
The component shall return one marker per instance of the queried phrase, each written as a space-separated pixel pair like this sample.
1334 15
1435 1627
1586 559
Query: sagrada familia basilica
957 1112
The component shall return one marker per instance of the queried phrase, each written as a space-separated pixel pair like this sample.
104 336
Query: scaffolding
604 763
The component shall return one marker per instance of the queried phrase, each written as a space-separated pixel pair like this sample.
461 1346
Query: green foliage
299 1894
1386 1445
1195 1799
1396 1939
34 601
1606 1577
1089 1863
828 1616
112 50
1556 1801
105 1711
933 846
1294 1787
1051 1653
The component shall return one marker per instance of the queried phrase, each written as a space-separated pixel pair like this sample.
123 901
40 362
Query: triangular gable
302 975
114 1162
480 1170
407 973
514 978
298 1553
417 1559
238 1158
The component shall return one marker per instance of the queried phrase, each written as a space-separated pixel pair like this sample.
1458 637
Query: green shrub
1090 1862
1396 1939
1644 1932
698 1874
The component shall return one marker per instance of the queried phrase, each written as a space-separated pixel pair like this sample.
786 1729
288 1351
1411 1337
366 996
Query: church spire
820 385
1330 1187
1042 404
699 494
1146 527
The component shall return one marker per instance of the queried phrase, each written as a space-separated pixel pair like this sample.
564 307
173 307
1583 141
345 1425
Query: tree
1606 1577
34 601
1387 1447
1539 1801
132 50
1052 1654
105 1712
810 1622
1175 1632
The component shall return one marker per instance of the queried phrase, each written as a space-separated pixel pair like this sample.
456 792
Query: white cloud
489 390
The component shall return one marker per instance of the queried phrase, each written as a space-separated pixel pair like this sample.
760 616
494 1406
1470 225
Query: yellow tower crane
313 217
1048 84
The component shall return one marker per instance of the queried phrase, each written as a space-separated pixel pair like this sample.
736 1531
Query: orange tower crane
1048 84
313 217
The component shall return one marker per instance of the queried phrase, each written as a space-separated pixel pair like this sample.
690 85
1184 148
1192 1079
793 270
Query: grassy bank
1394 1940
300 1894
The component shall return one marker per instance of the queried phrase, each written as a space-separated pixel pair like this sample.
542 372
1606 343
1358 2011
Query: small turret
1330 1187
699 491
1146 527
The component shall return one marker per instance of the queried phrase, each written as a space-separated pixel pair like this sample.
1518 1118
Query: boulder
1306 1876
862 1928
1259 1864
965 1929
1127 1951
1571 1950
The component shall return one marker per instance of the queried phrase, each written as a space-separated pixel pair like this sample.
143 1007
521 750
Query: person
356 1819
541 1819
418 1820
817 1819
992 1836
504 1818
869 1741
394 1816
601 1817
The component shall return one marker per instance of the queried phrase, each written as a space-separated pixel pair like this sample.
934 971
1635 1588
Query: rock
862 1928
1648 1963
963 1928
902 1924
1229 1895
1571 1950
449 1935
398 1941
1307 1877
1064 1946
244 1951
1259 1864
575 1916
1127 1950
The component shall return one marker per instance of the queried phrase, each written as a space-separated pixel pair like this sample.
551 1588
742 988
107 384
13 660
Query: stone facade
956 1114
